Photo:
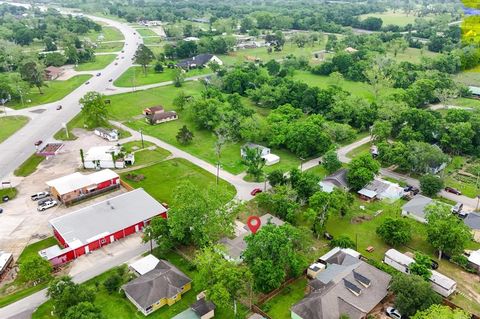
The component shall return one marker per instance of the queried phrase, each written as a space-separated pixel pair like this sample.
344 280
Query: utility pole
141 136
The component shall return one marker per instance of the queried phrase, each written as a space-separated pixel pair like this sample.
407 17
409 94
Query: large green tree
84 310
272 255
143 56
94 110
224 281
441 312
35 269
412 294
32 72
445 232
395 231
200 217
66 294
431 184
361 171
254 161
330 161
421 266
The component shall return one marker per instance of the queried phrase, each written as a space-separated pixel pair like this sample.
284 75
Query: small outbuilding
52 73
109 135
6 259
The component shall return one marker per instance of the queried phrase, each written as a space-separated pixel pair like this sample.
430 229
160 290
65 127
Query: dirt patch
360 219
135 177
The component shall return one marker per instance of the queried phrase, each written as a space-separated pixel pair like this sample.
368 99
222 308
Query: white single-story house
99 157
474 260
401 262
109 135
381 189
265 153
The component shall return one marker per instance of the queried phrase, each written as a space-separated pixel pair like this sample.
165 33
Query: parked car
59 107
40 195
434 264
463 214
1 210
393 313
110 80
457 208
327 236
38 143
47 205
123 51
255 191
43 201
452 190
5 198
116 63
87 83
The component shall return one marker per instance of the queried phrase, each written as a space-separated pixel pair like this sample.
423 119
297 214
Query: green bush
113 283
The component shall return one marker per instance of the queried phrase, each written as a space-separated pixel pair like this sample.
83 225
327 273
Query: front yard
11 124
135 76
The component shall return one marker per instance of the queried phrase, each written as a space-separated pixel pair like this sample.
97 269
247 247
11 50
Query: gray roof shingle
165 281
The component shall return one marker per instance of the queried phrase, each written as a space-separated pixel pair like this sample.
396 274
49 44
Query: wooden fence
126 185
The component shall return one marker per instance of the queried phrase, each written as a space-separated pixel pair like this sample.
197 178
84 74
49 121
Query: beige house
157 114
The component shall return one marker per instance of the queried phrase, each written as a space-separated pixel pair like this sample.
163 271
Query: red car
453 190
37 143
255 191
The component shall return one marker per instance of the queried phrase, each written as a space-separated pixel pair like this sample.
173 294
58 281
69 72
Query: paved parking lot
21 223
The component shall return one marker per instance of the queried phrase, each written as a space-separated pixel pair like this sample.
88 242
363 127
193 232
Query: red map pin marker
253 223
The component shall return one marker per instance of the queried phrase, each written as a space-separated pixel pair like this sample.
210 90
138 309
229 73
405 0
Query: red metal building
95 226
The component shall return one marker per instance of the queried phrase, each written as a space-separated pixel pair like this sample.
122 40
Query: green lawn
19 288
357 88
10 124
100 62
109 34
465 102
54 91
413 55
396 18
152 40
10 191
110 47
114 305
162 179
146 32
279 306
319 171
136 73
29 166
468 185
156 49
262 53
146 156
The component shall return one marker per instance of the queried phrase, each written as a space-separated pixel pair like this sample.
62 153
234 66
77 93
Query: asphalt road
45 120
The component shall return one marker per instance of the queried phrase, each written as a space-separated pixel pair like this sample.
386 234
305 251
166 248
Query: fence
256 309
125 185
275 292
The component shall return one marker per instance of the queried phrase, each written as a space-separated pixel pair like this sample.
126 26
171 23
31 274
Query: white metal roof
368 193
69 183
474 257
84 225
271 158
101 153
145 264
4 258
398 257
442 280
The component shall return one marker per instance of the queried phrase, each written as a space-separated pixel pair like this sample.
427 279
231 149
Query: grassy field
465 102
101 61
109 34
114 305
156 49
262 54
395 18
146 156
11 124
110 47
413 55
162 179
356 88
54 91
29 166
469 77
136 72
361 150
152 40
20 289
468 185
279 306
144 32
